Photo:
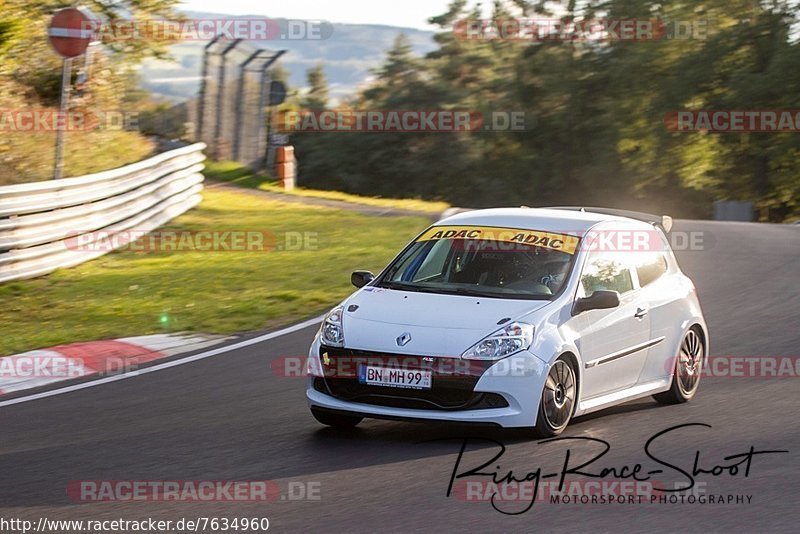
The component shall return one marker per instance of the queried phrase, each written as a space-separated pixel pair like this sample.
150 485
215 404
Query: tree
28 59
595 130
317 96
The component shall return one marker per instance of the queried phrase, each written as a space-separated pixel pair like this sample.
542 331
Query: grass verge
29 156
134 293
235 173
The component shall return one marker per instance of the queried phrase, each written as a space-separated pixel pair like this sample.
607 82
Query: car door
664 289
612 342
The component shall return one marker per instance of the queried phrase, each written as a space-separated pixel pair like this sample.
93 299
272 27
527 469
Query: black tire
687 370
336 420
559 395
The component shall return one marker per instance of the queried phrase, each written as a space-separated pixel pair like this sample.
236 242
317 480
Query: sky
405 13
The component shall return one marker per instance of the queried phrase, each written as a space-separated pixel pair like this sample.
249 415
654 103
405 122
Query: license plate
394 378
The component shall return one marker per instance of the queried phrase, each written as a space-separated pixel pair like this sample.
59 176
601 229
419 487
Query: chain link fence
232 105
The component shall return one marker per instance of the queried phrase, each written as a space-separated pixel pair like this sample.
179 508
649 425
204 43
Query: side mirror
599 300
361 278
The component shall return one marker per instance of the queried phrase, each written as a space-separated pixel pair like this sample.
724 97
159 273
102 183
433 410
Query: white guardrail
38 221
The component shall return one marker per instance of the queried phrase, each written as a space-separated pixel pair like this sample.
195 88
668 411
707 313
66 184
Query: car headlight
504 342
331 332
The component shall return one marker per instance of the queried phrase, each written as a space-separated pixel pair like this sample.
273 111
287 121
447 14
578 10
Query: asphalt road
230 417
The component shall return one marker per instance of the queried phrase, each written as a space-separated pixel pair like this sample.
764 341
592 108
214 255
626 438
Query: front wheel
336 420
686 371
558 399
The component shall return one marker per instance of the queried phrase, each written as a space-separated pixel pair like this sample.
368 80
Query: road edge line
166 365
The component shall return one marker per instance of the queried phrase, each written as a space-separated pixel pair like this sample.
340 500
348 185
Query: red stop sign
70 32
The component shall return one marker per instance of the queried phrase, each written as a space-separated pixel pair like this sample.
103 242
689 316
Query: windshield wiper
403 286
496 294
473 293
465 291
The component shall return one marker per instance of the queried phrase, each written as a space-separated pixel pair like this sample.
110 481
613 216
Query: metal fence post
263 98
201 98
220 93
237 142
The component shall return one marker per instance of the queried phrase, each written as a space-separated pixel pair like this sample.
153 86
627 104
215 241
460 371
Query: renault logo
403 340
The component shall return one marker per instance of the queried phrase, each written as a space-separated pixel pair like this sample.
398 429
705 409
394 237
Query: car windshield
500 263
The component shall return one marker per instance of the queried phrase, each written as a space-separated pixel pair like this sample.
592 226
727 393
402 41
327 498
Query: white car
517 317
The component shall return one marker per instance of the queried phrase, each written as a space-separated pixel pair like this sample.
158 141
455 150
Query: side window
404 268
433 265
650 267
606 271
424 260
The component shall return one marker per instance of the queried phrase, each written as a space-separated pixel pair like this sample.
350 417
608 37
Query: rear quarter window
651 267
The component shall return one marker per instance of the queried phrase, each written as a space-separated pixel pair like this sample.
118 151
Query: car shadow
263 451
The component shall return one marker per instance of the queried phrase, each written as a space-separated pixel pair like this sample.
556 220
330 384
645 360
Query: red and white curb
156 367
47 366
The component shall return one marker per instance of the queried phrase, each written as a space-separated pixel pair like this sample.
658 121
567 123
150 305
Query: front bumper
505 392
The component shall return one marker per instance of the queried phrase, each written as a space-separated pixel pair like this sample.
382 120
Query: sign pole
62 117
70 32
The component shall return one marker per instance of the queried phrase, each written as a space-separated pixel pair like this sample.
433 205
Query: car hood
438 325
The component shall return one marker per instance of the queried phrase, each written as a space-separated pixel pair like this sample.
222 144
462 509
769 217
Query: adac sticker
561 242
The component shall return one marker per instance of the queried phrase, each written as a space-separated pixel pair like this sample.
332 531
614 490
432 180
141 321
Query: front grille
452 386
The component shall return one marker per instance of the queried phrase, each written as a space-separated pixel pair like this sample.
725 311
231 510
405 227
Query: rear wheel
558 399
687 370
335 420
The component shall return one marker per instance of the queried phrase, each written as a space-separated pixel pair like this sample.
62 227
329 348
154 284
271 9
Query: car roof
542 219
